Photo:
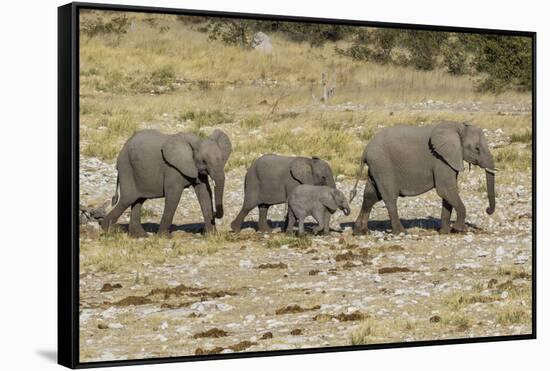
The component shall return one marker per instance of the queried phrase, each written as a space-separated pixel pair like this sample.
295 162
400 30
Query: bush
424 47
454 57
231 31
105 23
506 62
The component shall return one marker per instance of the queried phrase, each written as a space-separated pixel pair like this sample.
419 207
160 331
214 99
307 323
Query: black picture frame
68 184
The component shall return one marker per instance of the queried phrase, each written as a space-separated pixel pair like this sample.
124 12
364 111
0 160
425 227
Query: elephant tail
359 174
114 200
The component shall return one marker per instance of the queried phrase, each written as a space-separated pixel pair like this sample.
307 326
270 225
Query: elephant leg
291 220
301 226
263 225
389 194
370 197
135 227
172 197
447 189
327 222
318 214
114 214
204 195
446 210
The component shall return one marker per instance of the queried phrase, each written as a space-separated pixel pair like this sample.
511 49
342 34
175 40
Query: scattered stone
202 352
115 326
295 308
245 264
239 347
314 272
435 319
262 42
102 326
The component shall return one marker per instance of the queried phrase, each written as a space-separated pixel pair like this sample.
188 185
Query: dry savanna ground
219 293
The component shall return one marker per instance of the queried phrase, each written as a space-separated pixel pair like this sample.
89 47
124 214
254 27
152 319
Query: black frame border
68 185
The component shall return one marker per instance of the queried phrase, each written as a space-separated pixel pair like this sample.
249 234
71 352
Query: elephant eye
477 149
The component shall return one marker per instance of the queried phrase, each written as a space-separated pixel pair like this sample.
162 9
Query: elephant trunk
218 195
490 175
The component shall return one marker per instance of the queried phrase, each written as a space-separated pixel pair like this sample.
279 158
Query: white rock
469 238
224 307
499 251
115 325
521 259
467 266
161 338
250 317
482 253
245 264
164 325
504 294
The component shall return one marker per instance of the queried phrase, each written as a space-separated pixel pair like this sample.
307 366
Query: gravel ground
264 292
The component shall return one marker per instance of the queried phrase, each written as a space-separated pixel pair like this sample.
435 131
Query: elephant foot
138 233
265 229
360 231
105 225
236 226
398 231
445 230
209 228
459 228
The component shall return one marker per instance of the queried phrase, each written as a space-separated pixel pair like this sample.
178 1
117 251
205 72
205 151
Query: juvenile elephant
154 165
271 179
318 201
408 161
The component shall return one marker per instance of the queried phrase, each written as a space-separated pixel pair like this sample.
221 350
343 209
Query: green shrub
105 23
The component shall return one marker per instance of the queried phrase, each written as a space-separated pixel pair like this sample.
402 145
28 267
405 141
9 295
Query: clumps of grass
513 158
106 141
251 122
508 316
459 321
303 242
523 137
368 332
513 271
204 118
366 134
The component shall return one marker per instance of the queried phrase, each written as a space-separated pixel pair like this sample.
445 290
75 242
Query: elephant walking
408 161
271 179
154 165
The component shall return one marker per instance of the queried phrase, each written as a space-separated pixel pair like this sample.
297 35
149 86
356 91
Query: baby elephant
318 201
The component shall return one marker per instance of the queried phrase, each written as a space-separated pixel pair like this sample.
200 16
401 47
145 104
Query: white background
28 183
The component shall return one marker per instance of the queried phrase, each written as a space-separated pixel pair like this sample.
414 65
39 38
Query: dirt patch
212 333
279 265
342 317
387 270
204 352
110 287
296 331
492 282
133 300
435 319
350 265
346 256
178 305
267 335
508 285
190 291
295 308
390 248
239 347
314 272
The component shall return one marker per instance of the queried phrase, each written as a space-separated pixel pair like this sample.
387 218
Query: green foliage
506 62
455 57
236 32
105 23
316 34
424 47
524 137
375 45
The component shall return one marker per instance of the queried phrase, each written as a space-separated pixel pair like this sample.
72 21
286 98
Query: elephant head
335 199
458 142
312 171
194 156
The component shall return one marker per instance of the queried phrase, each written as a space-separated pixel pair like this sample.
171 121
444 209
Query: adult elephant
154 165
408 161
271 179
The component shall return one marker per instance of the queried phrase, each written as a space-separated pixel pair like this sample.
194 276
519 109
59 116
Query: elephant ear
223 142
445 140
301 170
179 154
328 199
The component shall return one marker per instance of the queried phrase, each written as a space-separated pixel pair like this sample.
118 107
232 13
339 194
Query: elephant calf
318 201
271 179
408 161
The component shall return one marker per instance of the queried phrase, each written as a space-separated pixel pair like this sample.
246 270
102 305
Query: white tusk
492 171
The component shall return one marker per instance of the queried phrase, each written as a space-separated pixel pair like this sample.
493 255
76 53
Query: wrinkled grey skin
408 161
271 179
318 201
154 165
